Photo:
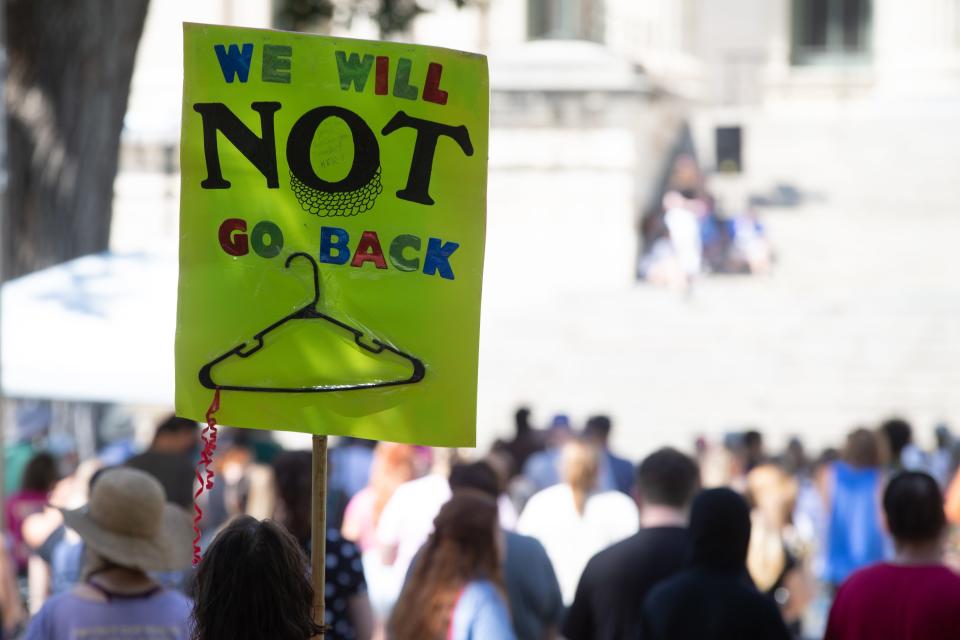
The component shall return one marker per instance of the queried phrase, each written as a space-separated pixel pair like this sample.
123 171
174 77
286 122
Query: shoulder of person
663 590
952 575
545 498
485 610
410 491
527 561
866 575
620 498
56 602
363 498
398 502
615 500
598 568
524 545
175 599
479 593
613 555
58 609
947 580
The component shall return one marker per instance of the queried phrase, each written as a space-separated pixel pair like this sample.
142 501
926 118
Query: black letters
260 151
421 166
366 151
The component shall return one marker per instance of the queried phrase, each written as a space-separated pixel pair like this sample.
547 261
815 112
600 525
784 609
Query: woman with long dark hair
253 584
455 590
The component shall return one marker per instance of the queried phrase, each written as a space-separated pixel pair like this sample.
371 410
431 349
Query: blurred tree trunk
308 16
69 68
393 17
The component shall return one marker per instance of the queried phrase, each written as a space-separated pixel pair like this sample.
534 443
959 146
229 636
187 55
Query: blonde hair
717 467
580 468
772 494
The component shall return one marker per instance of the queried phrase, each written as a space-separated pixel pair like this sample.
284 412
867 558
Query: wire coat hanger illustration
310 312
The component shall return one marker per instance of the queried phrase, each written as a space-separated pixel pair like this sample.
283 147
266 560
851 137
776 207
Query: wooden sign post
318 531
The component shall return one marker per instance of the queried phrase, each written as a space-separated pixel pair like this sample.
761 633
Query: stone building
847 110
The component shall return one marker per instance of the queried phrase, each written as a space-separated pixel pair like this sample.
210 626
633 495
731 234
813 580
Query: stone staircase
860 318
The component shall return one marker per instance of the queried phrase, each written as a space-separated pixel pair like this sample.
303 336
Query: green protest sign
331 234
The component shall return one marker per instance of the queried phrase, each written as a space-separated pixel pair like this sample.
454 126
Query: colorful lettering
438 258
234 62
353 70
397 247
369 250
276 63
334 239
383 71
267 239
431 88
232 238
401 81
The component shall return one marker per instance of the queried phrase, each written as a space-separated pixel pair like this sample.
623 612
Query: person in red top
39 478
915 597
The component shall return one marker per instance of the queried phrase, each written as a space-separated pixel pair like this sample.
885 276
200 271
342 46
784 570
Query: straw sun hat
129 522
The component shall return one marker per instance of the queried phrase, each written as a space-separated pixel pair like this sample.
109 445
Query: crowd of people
549 535
689 234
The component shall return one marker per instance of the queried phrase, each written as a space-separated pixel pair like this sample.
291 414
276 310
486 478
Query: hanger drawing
310 312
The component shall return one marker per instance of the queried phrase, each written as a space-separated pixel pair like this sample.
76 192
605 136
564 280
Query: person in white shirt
684 230
404 525
573 520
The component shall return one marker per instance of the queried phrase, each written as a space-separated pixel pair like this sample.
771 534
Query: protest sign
331 234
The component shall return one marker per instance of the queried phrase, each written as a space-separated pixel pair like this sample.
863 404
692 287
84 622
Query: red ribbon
205 479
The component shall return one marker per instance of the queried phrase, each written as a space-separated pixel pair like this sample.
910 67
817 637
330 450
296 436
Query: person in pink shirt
915 597
393 464
39 477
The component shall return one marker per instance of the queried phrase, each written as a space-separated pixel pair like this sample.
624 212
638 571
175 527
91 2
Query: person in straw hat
128 529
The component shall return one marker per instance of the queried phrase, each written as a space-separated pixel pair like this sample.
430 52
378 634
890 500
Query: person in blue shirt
532 590
542 469
616 473
856 537
455 590
350 464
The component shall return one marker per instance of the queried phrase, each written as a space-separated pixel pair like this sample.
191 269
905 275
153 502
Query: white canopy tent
99 328
96 329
